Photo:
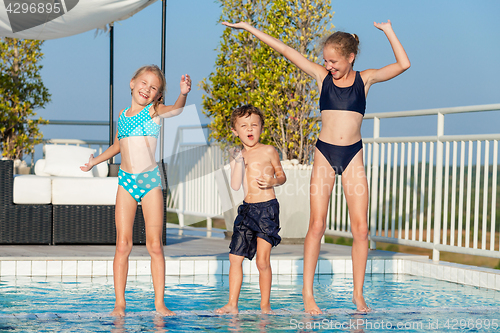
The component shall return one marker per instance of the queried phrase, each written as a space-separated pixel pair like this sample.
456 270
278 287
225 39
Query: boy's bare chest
257 164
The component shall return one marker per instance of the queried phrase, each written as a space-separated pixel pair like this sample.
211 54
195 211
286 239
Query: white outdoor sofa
82 204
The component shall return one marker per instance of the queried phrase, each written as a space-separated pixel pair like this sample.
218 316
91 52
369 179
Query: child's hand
236 154
88 166
239 25
185 84
383 26
265 182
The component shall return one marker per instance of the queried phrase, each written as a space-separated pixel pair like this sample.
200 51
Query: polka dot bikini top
139 125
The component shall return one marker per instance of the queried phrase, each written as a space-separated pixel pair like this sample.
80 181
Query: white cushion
31 189
100 170
65 161
84 191
40 167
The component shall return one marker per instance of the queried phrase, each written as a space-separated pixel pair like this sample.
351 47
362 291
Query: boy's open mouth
250 137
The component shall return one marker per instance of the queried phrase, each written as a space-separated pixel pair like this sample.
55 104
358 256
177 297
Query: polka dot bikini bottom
139 184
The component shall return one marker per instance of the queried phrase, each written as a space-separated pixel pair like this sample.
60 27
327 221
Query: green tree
21 92
249 72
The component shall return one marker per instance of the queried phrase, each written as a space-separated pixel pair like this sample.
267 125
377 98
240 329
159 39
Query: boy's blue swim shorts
254 220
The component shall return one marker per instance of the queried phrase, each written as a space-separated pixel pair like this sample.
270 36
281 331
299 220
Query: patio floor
192 244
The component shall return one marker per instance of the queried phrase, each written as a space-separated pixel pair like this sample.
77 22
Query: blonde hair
345 43
163 83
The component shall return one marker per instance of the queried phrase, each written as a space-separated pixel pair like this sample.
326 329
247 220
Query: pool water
400 303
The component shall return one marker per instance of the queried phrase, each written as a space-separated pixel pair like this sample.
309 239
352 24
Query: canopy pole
111 66
163 66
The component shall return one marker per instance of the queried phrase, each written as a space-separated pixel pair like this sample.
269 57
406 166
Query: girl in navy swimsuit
339 147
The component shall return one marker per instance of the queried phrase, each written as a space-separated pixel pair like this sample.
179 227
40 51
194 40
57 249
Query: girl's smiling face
145 88
335 62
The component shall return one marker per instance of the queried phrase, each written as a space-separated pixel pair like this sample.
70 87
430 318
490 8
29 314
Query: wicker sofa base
29 224
21 224
60 224
90 224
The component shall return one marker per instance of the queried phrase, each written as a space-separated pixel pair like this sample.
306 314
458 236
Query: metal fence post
181 187
438 194
374 182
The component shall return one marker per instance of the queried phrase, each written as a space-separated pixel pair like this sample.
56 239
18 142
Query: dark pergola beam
163 64
111 75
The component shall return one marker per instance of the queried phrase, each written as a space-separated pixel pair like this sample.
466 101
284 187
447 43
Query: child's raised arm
402 62
167 111
237 165
311 68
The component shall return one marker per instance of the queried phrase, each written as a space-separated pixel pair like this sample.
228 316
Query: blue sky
454 47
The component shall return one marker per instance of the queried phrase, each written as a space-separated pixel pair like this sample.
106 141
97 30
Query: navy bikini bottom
339 157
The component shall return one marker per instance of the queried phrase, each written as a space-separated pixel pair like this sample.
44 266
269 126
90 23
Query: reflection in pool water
400 302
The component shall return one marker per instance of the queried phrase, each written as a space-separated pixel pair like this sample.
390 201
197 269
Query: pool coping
189 266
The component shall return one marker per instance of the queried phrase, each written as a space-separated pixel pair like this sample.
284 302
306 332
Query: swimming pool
401 302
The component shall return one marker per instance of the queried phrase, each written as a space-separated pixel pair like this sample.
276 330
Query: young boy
258 168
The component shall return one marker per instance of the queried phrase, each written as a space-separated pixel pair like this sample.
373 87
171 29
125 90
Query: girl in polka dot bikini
139 177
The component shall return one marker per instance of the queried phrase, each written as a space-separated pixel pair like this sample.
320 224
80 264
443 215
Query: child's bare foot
227 309
266 309
118 311
310 305
164 311
361 304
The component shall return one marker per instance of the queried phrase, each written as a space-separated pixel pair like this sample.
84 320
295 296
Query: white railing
193 193
101 145
437 192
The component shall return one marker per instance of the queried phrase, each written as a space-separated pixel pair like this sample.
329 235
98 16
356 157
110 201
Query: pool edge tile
201 267
368 269
483 279
99 268
475 278
143 267
337 266
9 268
109 267
39 268
285 267
132 267
54 268
215 267
84 268
172 267
348 266
225 267
391 266
297 266
378 266
68 268
23 268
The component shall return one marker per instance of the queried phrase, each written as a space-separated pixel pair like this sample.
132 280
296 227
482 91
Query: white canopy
49 19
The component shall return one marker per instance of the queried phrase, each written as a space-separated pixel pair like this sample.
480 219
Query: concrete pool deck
192 253
192 244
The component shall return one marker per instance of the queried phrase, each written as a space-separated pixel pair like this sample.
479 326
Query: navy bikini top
348 98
